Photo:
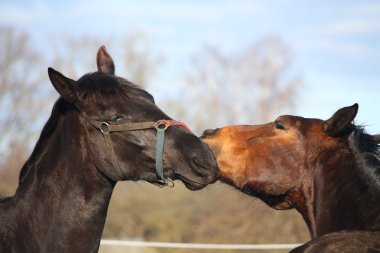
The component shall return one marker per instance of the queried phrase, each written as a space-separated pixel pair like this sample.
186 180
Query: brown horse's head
276 161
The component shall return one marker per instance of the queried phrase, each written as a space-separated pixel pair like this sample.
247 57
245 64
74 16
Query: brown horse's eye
278 125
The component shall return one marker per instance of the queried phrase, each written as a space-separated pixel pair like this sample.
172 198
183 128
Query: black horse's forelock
94 85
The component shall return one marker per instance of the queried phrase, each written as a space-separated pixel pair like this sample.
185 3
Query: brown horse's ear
104 62
65 86
340 123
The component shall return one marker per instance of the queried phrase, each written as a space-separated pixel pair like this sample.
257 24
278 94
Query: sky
336 43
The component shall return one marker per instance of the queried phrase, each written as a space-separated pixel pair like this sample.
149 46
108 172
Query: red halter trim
175 123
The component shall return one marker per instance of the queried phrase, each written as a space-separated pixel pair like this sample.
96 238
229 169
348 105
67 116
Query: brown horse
102 129
329 171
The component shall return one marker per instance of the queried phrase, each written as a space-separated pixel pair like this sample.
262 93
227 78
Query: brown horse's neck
341 197
62 197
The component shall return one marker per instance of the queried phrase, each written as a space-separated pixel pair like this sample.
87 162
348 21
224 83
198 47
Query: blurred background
207 63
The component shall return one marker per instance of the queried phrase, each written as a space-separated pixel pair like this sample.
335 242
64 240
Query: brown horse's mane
367 151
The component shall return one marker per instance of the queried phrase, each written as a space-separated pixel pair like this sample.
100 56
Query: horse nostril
202 167
208 132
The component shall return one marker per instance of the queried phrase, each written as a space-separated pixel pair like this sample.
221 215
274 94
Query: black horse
102 129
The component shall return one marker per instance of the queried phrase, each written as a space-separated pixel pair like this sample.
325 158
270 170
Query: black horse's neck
347 197
62 199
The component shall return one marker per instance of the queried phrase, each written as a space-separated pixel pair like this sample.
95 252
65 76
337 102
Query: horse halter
161 125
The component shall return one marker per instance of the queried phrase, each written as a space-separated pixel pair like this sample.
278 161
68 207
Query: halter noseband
161 125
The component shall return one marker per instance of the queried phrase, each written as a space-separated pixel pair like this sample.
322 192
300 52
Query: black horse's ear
65 86
340 123
104 61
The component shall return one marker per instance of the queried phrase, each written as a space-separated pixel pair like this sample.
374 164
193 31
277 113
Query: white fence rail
197 245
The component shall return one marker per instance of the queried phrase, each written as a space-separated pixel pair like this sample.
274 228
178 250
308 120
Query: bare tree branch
22 97
141 63
247 87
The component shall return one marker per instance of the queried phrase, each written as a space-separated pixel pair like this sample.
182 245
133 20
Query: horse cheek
232 170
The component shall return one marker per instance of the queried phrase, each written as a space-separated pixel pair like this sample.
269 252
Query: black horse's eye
278 125
116 119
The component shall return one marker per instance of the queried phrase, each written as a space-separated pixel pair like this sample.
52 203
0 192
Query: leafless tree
141 61
23 101
22 91
75 56
250 86
137 61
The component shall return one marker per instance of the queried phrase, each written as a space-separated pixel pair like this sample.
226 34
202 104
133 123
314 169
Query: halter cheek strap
160 126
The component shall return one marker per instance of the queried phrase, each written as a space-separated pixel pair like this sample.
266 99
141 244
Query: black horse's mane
368 150
59 110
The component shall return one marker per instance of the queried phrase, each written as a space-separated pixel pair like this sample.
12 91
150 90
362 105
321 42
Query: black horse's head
108 108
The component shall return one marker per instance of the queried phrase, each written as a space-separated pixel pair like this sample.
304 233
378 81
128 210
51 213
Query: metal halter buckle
104 128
